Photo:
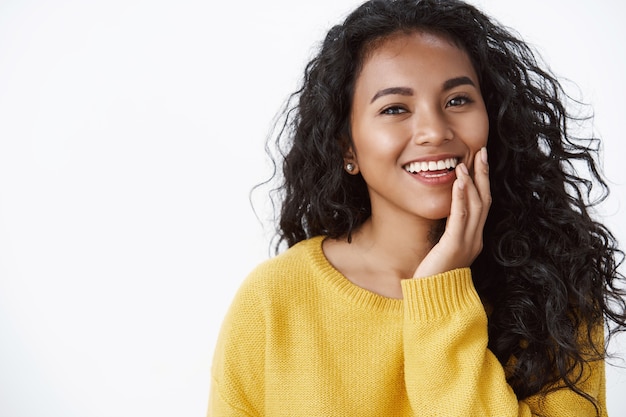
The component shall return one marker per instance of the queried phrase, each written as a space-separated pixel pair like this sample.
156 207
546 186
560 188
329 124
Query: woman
441 258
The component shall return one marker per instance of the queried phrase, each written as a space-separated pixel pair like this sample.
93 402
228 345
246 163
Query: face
417 112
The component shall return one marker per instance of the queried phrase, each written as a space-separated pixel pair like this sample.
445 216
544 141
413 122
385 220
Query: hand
462 239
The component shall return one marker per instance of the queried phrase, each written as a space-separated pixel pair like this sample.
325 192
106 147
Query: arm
450 372
220 407
238 366
446 326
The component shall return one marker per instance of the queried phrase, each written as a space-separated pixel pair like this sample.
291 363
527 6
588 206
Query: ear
349 162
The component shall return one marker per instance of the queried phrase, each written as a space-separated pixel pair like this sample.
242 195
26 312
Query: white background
131 132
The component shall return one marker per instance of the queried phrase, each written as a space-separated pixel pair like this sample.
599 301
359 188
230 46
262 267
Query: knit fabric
302 340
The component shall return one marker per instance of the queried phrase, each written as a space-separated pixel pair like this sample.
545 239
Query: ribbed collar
339 283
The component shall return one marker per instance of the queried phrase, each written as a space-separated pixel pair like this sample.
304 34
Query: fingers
462 240
481 180
459 211
471 199
466 209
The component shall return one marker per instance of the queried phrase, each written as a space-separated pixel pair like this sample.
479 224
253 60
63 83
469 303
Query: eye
392 110
458 101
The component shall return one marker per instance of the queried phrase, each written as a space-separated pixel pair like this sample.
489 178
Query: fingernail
464 169
483 155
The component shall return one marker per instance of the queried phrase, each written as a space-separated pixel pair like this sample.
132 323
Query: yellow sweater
302 340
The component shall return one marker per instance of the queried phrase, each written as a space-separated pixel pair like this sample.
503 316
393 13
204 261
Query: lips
446 164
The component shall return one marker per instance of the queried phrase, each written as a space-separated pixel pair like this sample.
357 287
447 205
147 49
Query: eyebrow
403 91
455 82
406 91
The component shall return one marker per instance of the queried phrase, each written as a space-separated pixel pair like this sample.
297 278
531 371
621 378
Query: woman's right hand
462 239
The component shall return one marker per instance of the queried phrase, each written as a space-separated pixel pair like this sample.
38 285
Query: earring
349 167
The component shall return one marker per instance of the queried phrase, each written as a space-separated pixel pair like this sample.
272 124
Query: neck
397 244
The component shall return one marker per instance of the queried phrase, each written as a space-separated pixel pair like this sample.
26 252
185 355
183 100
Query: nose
431 127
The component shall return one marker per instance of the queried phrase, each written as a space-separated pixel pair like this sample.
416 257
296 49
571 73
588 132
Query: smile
425 166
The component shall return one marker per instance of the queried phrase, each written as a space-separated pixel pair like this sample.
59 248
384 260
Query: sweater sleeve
449 371
238 361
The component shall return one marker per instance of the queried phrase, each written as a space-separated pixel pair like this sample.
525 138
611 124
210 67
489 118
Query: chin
436 211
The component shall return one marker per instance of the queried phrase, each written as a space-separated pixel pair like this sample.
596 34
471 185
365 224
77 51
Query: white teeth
415 167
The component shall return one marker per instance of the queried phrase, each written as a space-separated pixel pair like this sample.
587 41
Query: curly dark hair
548 271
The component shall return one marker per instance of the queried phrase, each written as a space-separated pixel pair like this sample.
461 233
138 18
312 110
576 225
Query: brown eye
458 101
394 110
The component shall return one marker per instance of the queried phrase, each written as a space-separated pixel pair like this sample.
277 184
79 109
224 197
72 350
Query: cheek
480 132
378 142
485 133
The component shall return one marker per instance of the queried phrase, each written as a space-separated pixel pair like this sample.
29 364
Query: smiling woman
420 278
416 100
131 133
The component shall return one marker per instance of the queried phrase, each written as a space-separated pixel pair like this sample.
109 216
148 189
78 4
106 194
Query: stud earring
349 167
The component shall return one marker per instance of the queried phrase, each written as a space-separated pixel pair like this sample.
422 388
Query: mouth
441 166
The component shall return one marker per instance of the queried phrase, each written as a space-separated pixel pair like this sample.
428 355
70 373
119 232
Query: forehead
417 50
430 36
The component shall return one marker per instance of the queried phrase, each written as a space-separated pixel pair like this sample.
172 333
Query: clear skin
417 98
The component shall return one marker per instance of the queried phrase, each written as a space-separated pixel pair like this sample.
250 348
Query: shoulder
288 281
302 259
299 266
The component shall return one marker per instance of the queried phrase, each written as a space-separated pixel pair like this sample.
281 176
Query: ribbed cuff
439 295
